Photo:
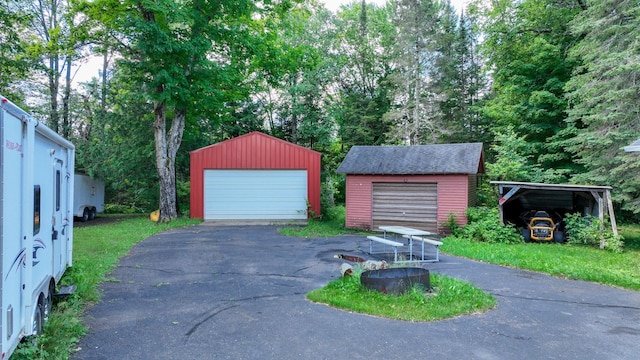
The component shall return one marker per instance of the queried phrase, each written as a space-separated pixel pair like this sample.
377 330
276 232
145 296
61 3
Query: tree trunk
54 115
167 146
66 98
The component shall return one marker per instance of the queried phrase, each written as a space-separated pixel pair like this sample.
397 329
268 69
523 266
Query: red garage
255 177
415 186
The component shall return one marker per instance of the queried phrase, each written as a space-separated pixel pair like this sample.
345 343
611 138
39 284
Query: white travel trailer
37 221
88 197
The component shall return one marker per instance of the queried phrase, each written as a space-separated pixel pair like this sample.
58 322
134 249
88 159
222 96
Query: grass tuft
447 298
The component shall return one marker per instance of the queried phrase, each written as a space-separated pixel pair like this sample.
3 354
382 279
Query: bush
452 223
484 226
589 230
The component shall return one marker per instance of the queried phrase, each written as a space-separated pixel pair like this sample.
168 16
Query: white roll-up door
255 194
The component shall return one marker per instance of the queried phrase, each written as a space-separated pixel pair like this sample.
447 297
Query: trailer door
60 223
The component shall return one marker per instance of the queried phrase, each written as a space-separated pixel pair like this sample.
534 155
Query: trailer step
64 291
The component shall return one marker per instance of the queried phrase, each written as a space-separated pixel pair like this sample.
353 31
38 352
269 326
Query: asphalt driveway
238 292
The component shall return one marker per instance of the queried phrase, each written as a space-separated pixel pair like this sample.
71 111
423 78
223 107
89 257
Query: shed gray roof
414 160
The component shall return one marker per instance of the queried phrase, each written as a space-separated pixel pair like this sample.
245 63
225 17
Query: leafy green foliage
448 298
603 93
362 47
452 223
526 45
589 230
15 61
483 225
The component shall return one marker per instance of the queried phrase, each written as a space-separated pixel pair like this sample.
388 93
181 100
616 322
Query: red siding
253 151
453 192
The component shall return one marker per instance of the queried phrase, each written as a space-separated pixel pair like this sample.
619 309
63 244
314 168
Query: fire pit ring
395 280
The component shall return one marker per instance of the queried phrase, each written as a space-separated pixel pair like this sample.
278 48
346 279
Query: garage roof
414 160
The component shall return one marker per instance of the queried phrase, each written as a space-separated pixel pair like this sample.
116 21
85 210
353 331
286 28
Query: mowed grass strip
447 298
577 262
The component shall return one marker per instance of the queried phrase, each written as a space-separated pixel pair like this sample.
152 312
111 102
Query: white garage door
255 194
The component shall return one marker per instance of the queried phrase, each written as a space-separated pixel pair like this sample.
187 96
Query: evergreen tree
603 94
526 47
362 45
415 116
459 79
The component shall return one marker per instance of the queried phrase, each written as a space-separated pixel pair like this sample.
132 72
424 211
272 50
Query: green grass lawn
447 298
563 260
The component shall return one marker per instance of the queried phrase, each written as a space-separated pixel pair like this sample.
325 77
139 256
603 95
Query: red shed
415 186
254 177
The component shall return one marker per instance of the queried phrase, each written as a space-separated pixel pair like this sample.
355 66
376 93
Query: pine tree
603 94
415 116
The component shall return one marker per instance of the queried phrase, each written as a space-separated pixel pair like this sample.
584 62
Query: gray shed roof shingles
414 160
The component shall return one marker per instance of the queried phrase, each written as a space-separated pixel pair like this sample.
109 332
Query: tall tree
15 64
604 93
460 78
185 55
363 54
300 88
415 116
58 44
526 46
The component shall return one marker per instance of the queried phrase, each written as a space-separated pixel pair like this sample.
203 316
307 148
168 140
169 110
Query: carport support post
606 196
612 215
600 201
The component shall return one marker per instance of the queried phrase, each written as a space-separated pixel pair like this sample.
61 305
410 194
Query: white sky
333 5
92 66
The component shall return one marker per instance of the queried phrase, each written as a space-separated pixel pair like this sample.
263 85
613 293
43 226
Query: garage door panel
414 205
255 194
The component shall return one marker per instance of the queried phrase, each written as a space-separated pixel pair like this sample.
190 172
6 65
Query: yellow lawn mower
540 226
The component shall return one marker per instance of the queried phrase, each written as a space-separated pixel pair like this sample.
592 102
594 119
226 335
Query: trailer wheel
48 303
85 215
38 321
92 213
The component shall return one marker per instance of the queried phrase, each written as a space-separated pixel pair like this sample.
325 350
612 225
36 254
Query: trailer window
36 209
57 190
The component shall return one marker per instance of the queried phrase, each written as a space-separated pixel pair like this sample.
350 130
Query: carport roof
634 146
414 160
566 187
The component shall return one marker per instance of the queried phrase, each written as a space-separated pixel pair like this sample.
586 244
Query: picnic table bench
393 244
425 240
411 235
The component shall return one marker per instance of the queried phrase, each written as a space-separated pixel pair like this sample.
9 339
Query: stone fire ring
395 280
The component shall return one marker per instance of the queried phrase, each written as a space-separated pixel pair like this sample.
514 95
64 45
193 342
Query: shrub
484 226
121 209
452 223
589 230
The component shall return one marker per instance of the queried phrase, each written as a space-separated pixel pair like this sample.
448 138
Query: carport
517 197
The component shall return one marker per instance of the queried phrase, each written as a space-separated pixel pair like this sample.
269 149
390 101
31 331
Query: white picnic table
411 234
